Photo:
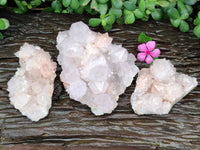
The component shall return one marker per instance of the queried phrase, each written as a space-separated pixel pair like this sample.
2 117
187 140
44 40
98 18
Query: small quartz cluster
159 87
31 88
94 71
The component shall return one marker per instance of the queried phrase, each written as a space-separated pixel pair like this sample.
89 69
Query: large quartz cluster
94 71
31 88
159 87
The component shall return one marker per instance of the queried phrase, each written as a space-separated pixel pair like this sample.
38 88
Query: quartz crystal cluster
159 87
31 88
94 71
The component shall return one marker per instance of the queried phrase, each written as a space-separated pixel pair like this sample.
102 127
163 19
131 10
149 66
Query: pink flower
147 52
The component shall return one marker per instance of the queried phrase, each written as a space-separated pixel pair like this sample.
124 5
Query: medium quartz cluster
31 88
94 71
159 87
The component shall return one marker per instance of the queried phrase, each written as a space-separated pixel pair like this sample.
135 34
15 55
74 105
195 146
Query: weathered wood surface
71 125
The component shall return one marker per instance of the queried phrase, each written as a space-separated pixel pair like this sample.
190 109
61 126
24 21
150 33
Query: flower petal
149 59
151 45
155 53
142 47
141 56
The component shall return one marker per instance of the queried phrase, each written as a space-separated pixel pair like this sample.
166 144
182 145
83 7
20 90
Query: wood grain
71 125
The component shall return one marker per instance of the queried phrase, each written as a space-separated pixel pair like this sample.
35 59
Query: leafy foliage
4 23
179 12
143 38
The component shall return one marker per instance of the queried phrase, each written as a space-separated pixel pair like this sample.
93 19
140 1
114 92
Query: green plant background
107 12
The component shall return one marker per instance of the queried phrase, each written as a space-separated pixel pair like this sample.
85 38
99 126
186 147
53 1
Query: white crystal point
159 87
103 103
77 89
94 71
165 69
31 88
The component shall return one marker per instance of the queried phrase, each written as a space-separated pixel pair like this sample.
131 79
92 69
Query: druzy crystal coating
159 87
31 88
94 71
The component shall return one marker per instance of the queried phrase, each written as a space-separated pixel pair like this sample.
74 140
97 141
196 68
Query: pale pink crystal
159 87
31 88
94 71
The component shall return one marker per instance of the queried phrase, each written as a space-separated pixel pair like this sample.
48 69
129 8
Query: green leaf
103 22
4 24
48 9
184 27
127 12
103 1
29 6
129 5
103 16
22 8
148 12
150 5
142 5
145 18
94 22
88 9
24 3
68 10
120 21
173 13
199 14
190 19
18 11
134 1
66 3
189 9
64 11
163 3
74 4
1 36
157 14
7 24
103 8
143 38
189 2
182 10
110 19
79 10
171 5
107 27
35 3
139 14
3 2
84 2
175 22
117 4
197 31
94 5
129 18
116 12
196 21
57 6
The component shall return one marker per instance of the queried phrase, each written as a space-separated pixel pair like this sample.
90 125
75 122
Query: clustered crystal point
94 71
159 87
31 88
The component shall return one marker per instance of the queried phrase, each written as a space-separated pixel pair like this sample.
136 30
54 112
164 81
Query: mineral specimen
31 88
159 87
94 71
